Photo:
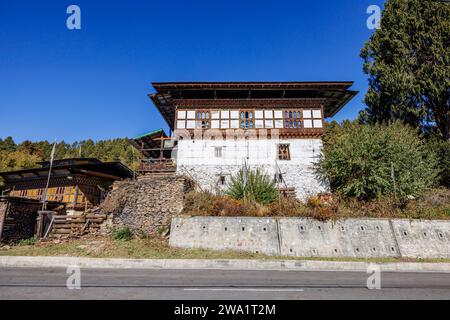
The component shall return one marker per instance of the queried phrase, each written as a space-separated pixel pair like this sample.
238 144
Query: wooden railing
157 166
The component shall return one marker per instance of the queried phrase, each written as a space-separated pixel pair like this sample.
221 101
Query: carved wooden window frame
203 119
284 152
293 118
247 119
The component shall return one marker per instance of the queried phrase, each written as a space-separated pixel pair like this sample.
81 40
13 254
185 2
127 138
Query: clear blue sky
93 83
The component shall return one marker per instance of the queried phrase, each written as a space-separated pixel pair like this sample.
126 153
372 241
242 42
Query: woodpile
17 220
76 226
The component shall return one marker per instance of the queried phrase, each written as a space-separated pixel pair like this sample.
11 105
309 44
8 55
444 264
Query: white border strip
174 264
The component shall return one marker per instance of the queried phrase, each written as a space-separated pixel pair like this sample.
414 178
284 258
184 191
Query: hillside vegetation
24 155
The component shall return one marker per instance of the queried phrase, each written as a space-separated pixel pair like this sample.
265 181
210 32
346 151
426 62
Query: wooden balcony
161 166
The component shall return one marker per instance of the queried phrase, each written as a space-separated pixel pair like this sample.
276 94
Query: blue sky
93 83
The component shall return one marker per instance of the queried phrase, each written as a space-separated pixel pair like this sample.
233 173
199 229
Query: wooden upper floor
299 106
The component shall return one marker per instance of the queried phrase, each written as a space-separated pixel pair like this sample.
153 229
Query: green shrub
124 234
27 242
259 187
370 161
442 149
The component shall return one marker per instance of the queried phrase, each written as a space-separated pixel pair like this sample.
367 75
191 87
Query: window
247 119
259 119
222 180
191 119
181 119
292 119
283 152
202 119
278 116
218 152
234 122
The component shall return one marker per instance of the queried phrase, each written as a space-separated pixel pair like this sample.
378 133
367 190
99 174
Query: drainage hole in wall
405 233
374 249
226 229
425 234
392 249
302 228
378 228
441 235
243 228
335 250
290 250
357 249
264 229
342 229
362 228
320 227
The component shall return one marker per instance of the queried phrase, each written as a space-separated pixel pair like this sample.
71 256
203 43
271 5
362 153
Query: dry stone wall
145 205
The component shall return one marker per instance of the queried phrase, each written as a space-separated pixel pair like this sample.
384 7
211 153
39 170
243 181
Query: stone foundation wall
145 205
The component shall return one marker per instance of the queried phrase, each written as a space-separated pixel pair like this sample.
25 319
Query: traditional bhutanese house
220 126
78 183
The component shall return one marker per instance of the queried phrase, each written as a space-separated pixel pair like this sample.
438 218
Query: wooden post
2 221
75 197
38 231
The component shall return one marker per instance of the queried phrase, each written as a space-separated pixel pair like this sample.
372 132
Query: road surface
50 283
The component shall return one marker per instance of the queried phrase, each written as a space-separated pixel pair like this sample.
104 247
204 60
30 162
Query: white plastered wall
197 158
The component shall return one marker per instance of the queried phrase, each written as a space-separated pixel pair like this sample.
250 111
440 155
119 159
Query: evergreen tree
408 63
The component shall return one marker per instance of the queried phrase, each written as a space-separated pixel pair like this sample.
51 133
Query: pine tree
408 63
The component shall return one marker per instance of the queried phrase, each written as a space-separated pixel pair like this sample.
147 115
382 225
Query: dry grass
156 248
106 247
434 204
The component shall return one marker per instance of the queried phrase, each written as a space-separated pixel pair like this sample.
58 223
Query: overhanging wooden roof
332 95
88 166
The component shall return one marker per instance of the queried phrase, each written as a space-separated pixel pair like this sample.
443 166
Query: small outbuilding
78 183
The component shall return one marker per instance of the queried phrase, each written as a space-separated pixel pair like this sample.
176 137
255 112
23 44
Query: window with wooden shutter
284 152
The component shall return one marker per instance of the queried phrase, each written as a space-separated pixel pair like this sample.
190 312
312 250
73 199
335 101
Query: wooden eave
170 95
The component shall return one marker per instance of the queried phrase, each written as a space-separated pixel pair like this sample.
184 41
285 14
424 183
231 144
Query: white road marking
243 289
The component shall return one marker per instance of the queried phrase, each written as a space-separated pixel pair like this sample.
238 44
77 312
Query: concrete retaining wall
423 239
304 237
223 233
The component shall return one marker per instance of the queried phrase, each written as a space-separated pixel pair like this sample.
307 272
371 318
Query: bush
370 161
27 242
124 234
207 204
258 188
433 204
442 149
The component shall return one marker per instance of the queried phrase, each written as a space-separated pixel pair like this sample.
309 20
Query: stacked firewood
76 226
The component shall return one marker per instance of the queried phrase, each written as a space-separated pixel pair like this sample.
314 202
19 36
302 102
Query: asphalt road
38 283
